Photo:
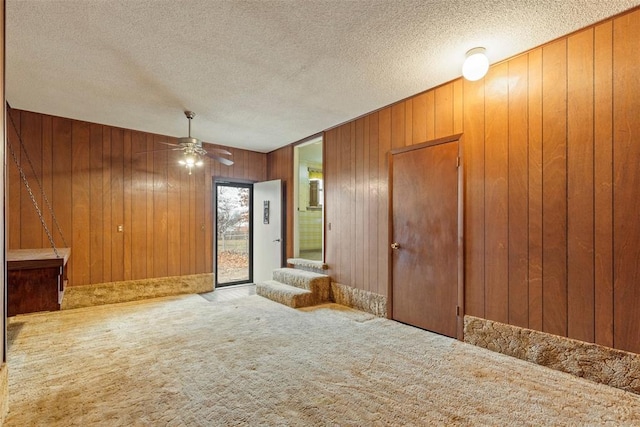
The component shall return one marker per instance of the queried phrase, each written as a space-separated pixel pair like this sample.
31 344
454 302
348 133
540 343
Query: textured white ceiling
259 74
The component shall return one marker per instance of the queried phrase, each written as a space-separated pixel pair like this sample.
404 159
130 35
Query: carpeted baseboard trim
134 290
615 368
4 393
360 299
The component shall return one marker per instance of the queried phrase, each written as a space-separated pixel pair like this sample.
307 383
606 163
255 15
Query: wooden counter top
25 259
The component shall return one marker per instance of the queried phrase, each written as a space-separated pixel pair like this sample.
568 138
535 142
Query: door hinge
457 310
457 162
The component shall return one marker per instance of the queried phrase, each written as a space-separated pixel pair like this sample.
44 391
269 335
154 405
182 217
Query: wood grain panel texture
551 159
626 176
98 177
279 165
554 188
551 146
496 189
580 187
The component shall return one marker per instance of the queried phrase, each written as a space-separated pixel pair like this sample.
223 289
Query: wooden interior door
424 259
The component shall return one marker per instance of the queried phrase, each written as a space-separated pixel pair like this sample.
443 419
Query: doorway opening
308 225
234 233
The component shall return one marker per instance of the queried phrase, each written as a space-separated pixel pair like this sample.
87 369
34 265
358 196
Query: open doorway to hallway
308 227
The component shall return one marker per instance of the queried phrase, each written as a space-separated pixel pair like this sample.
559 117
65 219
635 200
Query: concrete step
291 296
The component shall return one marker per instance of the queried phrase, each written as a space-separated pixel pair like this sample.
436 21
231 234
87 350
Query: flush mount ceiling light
476 64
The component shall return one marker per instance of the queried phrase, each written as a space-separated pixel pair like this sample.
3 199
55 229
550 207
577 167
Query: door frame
460 285
296 194
214 200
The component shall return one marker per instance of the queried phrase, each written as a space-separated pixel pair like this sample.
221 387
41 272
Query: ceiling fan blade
169 144
220 159
217 150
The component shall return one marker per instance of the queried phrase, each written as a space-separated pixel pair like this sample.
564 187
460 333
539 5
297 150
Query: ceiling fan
194 151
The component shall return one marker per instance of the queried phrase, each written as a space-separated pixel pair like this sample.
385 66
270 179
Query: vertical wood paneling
626 191
201 188
603 179
47 177
185 224
535 189
397 125
160 210
474 169
149 188
518 176
580 199
430 116
174 248
384 146
106 203
374 247
126 206
98 177
350 202
497 194
138 205
208 216
117 204
419 119
14 217
193 228
31 130
538 185
554 187
458 106
330 174
280 166
345 195
366 204
358 211
61 196
408 121
80 194
444 111
97 207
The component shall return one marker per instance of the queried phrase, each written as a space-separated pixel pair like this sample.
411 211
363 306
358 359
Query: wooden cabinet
35 280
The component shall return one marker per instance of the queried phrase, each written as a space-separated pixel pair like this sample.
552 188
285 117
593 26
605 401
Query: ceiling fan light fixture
476 64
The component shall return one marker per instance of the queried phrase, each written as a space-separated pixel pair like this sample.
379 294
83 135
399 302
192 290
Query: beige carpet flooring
185 361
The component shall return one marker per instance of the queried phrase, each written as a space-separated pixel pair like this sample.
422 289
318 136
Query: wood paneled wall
280 166
356 180
98 177
551 148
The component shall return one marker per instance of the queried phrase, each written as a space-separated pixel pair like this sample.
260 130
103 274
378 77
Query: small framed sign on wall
265 213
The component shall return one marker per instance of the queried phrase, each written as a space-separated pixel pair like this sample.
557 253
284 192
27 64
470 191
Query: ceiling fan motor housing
189 141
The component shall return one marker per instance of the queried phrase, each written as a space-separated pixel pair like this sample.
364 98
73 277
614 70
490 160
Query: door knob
395 245
277 240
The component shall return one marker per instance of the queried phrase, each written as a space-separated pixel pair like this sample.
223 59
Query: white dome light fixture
476 64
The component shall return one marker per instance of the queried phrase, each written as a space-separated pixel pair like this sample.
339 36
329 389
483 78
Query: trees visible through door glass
233 234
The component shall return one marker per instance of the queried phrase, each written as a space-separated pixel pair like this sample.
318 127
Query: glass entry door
234 237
